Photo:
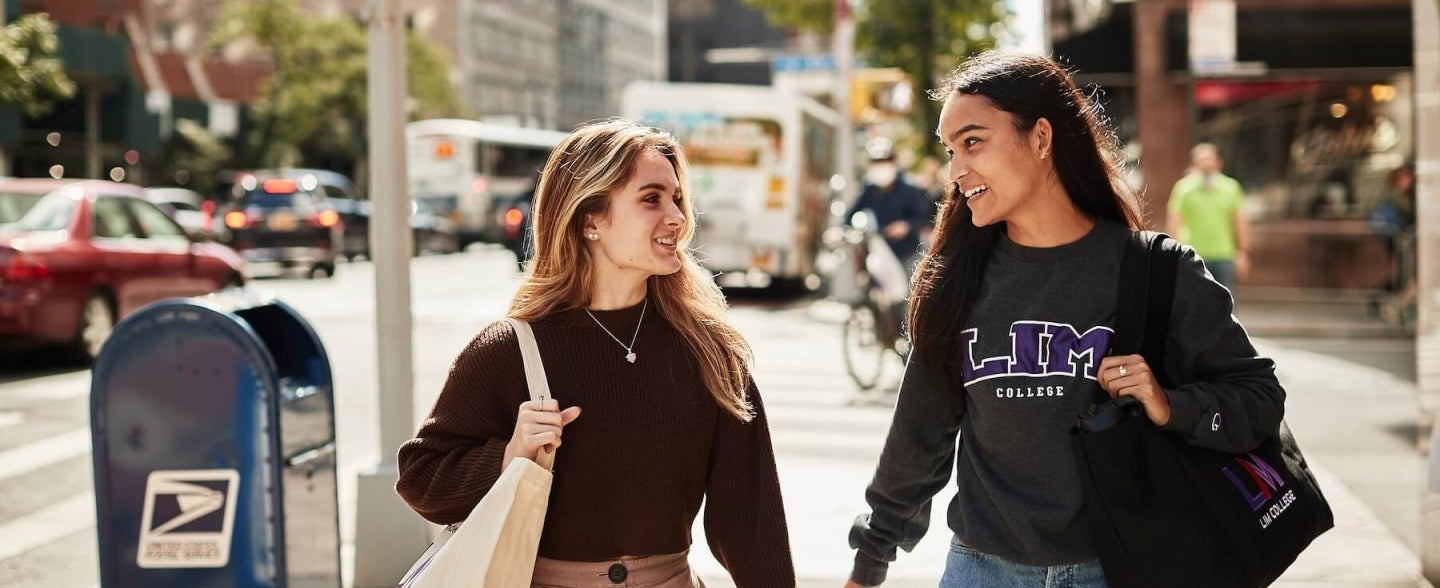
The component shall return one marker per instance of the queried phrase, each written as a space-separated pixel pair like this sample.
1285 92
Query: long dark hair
1029 87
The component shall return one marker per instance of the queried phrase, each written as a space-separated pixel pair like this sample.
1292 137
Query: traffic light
878 94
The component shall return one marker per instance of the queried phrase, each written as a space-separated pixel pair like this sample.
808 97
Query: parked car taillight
207 215
326 218
24 268
513 219
236 219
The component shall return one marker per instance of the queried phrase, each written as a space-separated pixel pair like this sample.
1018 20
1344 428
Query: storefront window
1309 149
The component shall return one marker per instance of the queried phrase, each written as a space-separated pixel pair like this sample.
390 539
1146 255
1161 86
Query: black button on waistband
617 574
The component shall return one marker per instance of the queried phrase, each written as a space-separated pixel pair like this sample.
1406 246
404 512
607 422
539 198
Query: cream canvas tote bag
497 544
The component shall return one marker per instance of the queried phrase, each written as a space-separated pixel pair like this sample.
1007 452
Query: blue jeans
967 568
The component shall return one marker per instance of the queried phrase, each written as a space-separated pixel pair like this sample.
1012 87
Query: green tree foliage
193 157
312 108
925 38
811 16
31 75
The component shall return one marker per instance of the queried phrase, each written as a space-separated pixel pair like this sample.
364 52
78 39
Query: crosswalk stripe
52 523
61 386
47 451
10 419
55 393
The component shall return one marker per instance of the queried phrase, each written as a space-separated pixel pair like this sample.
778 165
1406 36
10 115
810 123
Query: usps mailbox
214 447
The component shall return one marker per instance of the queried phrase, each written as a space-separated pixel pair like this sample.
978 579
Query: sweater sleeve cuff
1184 412
868 571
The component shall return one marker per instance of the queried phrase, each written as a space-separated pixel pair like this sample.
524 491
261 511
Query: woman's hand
1129 375
538 427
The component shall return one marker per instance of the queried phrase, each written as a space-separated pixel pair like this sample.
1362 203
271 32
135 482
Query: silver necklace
629 349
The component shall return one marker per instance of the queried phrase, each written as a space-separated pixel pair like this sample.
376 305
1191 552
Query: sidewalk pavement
1294 312
1352 404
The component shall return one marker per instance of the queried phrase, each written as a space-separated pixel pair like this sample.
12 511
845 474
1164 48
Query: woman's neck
1055 222
614 292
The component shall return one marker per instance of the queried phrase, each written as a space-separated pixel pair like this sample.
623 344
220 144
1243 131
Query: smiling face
640 232
1002 172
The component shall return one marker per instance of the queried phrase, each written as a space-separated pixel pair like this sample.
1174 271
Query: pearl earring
593 237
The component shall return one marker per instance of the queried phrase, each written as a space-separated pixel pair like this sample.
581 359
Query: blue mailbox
214 447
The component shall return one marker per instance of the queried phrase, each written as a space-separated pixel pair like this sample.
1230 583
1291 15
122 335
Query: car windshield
50 214
15 205
262 199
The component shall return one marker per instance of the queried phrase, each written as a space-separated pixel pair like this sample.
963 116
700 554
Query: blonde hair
589 164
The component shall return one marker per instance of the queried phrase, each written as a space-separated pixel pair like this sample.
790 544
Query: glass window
111 220
300 201
13 206
336 192
155 223
51 214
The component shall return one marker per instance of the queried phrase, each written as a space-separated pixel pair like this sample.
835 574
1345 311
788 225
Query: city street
1351 405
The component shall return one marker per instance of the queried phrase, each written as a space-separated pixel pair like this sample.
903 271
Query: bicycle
872 330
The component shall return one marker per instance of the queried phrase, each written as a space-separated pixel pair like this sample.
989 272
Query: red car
90 252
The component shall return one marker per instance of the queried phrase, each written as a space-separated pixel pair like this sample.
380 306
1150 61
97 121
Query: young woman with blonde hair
633 333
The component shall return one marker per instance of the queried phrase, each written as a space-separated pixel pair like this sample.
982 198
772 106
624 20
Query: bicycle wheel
864 348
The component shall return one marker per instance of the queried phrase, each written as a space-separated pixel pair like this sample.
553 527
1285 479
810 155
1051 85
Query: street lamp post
843 47
385 528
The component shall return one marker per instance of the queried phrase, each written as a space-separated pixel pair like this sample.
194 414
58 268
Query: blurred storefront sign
1212 35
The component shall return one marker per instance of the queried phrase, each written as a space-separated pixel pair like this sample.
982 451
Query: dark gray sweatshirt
1042 323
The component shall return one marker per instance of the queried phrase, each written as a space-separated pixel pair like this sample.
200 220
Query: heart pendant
630 358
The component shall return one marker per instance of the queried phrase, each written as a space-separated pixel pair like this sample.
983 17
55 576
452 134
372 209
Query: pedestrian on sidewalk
1206 212
633 332
1012 312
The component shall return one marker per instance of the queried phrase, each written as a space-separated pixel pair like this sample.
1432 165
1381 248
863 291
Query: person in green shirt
1206 213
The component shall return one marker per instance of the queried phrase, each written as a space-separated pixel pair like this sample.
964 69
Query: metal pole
1425 18
388 535
843 48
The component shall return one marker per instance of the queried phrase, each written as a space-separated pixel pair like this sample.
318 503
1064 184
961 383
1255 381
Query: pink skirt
654 571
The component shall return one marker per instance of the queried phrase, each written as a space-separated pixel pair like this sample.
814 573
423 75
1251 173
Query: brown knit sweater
649 445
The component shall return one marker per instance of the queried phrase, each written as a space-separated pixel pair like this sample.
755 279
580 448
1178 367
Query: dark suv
285 224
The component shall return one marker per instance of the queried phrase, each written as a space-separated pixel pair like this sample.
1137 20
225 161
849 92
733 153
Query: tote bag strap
534 375
1145 297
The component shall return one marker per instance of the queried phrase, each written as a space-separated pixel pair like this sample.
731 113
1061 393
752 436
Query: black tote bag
1164 512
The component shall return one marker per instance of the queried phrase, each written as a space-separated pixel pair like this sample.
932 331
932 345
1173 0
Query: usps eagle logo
188 520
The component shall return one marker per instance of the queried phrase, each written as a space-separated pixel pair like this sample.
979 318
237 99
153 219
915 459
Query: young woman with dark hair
1011 317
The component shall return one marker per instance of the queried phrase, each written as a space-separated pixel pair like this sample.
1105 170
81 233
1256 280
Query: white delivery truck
761 162
469 171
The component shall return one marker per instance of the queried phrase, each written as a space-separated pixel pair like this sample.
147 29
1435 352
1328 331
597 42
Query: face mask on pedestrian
881 174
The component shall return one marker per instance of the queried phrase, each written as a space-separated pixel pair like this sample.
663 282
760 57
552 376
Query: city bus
470 171
761 167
